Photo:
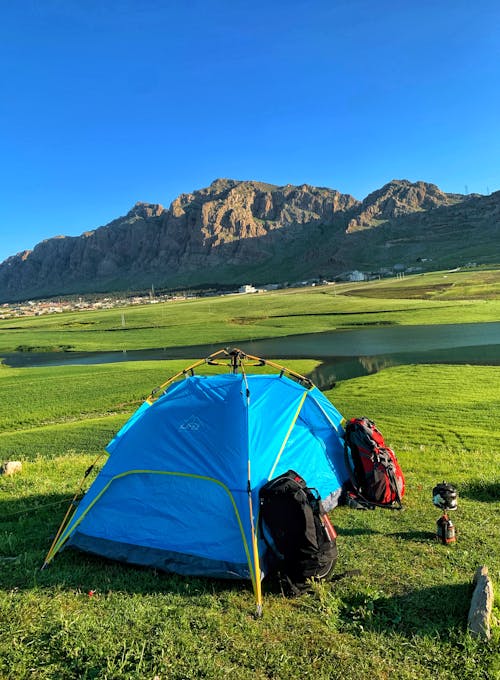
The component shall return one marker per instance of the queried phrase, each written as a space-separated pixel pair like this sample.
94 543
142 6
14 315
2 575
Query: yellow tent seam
287 436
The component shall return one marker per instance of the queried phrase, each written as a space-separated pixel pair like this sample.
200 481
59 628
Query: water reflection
336 369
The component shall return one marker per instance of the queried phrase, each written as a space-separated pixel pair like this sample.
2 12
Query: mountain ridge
235 231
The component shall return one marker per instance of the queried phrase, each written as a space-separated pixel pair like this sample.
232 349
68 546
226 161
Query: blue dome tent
180 489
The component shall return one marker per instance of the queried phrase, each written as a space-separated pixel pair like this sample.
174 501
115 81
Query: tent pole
71 507
294 374
63 524
153 394
258 575
255 547
236 357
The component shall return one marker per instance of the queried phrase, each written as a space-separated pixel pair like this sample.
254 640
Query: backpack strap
350 573
394 482
370 505
367 505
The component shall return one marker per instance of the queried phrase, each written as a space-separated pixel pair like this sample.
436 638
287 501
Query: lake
344 353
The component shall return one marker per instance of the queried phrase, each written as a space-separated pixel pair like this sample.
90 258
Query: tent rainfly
180 489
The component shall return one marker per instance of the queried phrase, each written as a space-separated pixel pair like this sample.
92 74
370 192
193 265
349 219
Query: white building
356 276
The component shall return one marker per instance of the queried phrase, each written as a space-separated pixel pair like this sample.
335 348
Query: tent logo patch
192 424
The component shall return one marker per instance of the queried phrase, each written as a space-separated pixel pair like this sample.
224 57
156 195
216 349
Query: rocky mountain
234 232
398 199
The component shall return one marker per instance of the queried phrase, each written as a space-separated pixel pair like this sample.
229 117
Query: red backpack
376 476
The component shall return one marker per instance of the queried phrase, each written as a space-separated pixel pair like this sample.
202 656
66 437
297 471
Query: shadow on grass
419 536
481 490
356 531
27 529
435 610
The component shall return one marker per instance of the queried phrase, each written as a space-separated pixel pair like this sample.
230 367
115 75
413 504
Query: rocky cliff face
233 232
230 210
397 199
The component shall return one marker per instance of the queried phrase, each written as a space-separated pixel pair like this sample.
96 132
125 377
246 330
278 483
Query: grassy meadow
444 298
403 617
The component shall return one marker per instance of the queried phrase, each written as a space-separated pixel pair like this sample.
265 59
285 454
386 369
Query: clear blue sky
104 102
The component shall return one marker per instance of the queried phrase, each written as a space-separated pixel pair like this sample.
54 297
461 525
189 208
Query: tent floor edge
164 560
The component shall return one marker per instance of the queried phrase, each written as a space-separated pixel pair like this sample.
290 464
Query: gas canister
445 530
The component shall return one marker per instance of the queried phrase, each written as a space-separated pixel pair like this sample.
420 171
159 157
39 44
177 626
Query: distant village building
356 276
247 288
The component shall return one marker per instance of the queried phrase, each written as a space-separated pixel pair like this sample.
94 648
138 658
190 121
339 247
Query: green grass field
459 297
403 617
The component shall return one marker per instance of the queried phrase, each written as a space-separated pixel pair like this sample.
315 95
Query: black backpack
302 537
